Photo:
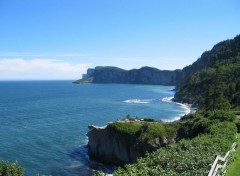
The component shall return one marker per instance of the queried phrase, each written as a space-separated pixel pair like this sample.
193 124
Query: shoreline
109 171
187 106
192 110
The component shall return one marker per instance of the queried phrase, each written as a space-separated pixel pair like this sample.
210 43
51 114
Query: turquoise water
43 124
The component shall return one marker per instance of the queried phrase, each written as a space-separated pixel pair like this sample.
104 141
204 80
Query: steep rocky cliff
144 75
107 146
124 142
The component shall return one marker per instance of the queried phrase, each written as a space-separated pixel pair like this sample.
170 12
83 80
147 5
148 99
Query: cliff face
124 142
148 75
144 75
106 146
109 75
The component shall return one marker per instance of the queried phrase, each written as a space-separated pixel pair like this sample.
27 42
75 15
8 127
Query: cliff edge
123 142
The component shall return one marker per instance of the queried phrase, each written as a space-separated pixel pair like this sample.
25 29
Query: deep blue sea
43 124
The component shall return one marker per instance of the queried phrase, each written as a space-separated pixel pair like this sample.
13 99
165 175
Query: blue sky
60 39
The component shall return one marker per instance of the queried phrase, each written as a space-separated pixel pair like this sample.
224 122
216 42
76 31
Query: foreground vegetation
138 132
190 156
10 169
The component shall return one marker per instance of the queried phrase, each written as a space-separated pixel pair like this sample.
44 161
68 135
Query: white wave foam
167 99
185 107
138 101
84 152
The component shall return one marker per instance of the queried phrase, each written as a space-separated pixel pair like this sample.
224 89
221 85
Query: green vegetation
187 157
136 132
151 131
10 169
234 168
217 85
200 137
237 122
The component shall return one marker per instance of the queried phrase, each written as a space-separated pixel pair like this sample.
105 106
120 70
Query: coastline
188 107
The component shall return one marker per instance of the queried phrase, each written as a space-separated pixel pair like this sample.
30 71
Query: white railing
216 166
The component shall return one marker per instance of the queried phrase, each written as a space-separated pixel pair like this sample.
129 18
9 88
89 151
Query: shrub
128 128
237 122
221 115
188 157
188 117
10 169
150 131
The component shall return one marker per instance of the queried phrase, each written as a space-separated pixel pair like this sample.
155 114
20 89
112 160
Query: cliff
106 146
124 142
147 75
144 75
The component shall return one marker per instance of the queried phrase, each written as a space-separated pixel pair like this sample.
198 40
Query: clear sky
60 39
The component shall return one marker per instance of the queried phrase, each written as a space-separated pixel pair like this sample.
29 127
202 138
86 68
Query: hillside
218 85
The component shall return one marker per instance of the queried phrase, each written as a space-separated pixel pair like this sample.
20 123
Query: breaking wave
185 107
167 99
138 101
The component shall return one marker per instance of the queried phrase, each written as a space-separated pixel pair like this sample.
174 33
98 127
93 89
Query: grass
234 168
145 132
129 128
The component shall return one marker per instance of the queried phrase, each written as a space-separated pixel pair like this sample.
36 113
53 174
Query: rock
106 146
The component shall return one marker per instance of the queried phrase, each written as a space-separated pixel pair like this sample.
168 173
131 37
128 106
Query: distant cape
144 75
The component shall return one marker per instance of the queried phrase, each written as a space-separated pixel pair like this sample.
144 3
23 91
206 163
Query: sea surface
43 124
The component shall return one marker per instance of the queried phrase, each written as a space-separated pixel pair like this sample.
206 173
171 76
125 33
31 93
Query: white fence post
216 166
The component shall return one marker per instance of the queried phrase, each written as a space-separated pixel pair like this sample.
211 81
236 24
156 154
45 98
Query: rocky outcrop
106 146
111 145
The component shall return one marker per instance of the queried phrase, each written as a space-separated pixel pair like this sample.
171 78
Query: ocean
43 124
